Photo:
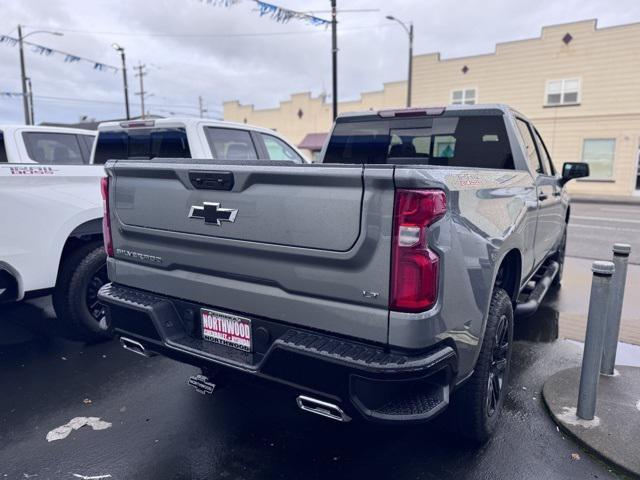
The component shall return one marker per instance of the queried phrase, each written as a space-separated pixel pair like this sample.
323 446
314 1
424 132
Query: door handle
542 196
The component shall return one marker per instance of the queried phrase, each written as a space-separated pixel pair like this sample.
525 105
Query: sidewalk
611 199
615 430
572 301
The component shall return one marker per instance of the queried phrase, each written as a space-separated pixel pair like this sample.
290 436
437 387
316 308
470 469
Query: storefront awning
313 141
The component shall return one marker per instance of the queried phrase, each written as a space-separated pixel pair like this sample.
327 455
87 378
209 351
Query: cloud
259 61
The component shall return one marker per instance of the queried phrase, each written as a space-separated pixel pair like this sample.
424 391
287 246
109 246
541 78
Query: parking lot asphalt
161 428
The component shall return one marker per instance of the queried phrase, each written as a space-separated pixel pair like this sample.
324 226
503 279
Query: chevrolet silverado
381 284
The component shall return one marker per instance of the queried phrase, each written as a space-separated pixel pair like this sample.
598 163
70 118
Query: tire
559 257
476 409
82 273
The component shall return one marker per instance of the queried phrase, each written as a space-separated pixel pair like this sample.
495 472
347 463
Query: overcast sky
227 53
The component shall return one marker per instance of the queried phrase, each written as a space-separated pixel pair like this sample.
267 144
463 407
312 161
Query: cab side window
530 146
278 150
54 148
230 144
544 155
86 144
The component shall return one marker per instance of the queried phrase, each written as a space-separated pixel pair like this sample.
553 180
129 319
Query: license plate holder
226 329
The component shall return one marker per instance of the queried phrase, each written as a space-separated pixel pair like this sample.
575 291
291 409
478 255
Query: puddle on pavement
543 326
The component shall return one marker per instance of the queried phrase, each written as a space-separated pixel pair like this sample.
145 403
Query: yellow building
578 84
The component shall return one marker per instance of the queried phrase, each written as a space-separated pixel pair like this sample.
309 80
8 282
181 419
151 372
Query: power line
215 35
186 114
96 101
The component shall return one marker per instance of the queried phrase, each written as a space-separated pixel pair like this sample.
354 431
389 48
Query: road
594 228
162 429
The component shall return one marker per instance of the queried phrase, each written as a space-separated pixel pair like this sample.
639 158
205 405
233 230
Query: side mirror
571 170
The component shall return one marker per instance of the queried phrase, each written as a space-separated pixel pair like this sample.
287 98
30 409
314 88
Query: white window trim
562 80
612 178
463 89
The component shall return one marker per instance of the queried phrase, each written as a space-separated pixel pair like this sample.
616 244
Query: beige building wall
315 112
605 60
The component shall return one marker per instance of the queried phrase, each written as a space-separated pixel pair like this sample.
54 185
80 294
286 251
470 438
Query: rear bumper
365 380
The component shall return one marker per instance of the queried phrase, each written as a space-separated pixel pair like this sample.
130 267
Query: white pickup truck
51 207
51 217
176 137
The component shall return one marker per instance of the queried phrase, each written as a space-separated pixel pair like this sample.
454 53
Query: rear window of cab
141 144
478 141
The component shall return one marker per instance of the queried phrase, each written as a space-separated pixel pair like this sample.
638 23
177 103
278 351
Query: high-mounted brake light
412 112
138 124
106 219
414 268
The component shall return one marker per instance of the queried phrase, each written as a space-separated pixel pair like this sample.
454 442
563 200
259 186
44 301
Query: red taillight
106 219
414 271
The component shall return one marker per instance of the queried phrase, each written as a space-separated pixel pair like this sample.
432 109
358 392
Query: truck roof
181 122
38 128
448 108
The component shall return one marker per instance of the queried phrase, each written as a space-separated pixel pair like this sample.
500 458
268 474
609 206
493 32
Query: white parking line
605 227
606 219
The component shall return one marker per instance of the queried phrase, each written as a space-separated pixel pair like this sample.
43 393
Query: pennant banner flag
10 94
222 3
42 50
8 40
47 52
279 14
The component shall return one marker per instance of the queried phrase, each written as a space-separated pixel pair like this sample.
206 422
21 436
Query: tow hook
202 384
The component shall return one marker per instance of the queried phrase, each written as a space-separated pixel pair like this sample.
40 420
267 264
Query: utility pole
141 73
23 78
334 56
201 107
410 77
30 94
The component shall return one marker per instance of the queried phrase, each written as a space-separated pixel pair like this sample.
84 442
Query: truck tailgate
304 244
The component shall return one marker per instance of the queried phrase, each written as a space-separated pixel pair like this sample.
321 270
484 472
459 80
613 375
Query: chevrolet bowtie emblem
213 214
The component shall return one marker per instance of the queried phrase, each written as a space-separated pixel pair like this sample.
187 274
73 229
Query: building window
599 154
563 92
463 97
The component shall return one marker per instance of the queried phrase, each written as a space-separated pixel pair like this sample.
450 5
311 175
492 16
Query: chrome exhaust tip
135 347
324 409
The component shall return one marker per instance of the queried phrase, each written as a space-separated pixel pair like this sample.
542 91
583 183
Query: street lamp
409 31
23 75
124 77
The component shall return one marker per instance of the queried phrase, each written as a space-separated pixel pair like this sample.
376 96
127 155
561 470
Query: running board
534 299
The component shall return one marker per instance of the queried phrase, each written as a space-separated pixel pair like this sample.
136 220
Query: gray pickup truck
381 284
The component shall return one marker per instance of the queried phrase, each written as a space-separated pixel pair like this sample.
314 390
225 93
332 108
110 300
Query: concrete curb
608 199
614 432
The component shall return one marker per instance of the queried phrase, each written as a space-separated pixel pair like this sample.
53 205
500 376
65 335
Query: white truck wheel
75 300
